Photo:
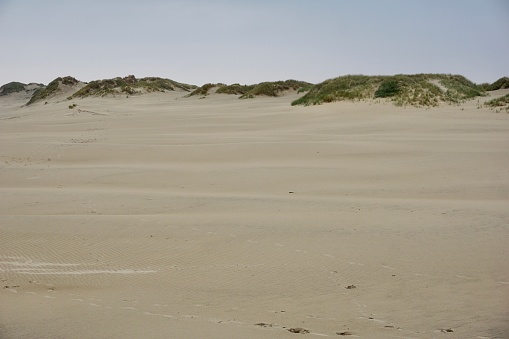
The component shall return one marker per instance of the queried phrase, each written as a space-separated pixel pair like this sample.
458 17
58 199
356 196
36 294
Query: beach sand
159 216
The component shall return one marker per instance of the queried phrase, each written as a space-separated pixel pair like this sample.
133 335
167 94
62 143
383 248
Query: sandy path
155 217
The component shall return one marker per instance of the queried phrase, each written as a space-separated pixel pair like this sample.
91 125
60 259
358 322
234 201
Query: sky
247 42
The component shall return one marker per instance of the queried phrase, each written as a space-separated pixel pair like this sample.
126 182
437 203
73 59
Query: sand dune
160 216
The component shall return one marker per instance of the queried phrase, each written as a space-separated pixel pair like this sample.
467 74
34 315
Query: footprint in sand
264 325
299 330
344 333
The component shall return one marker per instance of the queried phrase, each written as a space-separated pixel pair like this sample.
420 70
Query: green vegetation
130 85
421 90
72 106
69 81
460 88
204 90
155 84
12 87
499 103
235 89
102 88
305 88
348 87
387 89
273 89
501 83
52 88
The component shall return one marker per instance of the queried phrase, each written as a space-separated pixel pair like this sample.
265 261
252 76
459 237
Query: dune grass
387 89
501 83
501 103
305 88
12 87
204 90
273 89
235 89
52 88
129 85
420 90
155 84
101 88
348 87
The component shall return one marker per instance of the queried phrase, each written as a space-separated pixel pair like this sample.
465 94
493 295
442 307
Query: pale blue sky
251 41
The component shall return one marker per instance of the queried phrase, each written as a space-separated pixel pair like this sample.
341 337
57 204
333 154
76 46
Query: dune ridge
419 90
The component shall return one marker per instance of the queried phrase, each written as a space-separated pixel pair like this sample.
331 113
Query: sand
162 217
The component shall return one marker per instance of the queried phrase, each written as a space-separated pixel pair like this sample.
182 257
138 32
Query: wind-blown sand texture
166 217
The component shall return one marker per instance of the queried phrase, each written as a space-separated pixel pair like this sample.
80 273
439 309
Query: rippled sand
163 217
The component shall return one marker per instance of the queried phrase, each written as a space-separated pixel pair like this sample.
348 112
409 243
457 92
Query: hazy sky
251 41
